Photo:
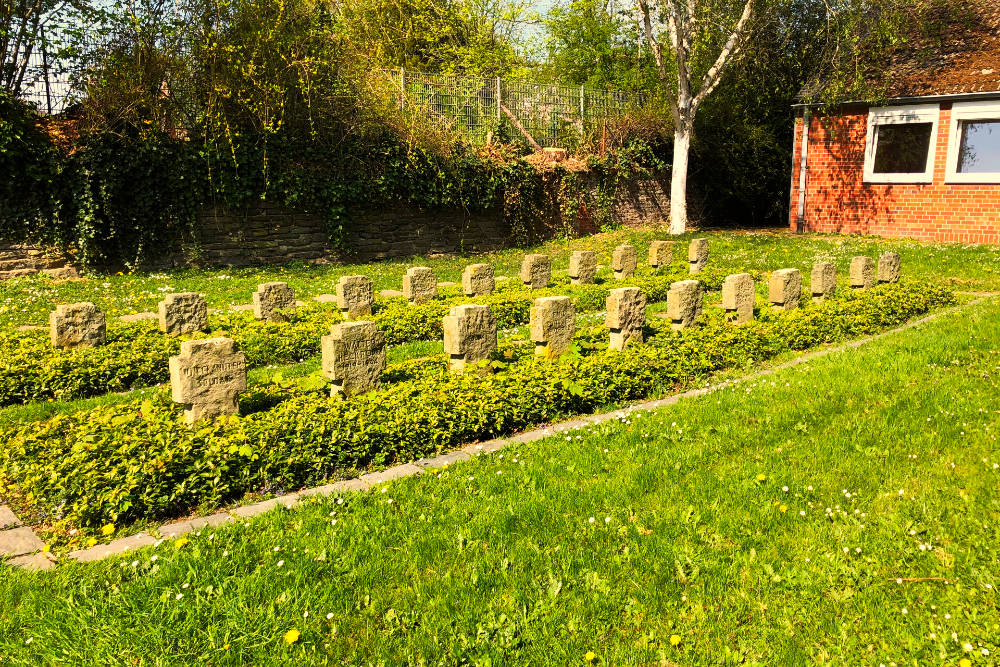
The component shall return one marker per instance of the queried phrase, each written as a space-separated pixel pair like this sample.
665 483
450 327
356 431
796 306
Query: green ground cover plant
122 463
136 354
838 512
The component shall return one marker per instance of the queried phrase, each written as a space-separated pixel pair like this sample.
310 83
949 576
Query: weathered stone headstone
862 272
183 313
271 299
77 325
470 335
353 357
661 254
536 270
420 284
889 265
582 267
684 302
698 255
626 315
624 260
823 280
208 377
478 280
784 289
553 323
738 297
355 295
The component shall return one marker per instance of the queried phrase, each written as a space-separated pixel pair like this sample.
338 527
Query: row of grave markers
84 325
208 375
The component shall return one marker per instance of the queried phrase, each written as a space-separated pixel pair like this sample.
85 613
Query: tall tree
693 28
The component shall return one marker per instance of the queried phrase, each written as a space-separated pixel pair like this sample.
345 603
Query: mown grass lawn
844 511
28 301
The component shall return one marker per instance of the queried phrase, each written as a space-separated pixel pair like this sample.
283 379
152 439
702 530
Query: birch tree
692 28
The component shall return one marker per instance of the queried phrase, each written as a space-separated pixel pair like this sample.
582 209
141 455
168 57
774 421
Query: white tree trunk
678 179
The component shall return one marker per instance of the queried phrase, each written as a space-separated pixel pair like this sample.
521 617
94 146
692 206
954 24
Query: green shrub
133 461
136 355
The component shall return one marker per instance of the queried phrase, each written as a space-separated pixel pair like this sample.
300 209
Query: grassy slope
28 301
497 559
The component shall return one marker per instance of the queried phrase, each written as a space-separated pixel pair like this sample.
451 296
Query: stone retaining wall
267 234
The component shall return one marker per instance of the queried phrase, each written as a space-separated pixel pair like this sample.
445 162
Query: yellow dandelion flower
675 640
108 529
292 636
783 509
964 662
590 656
92 542
181 542
761 477
47 548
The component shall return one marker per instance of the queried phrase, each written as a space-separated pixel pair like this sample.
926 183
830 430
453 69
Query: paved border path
20 541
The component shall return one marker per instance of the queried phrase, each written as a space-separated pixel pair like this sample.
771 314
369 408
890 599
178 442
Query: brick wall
837 199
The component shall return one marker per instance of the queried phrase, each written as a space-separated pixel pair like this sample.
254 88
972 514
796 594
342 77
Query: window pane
979 151
902 149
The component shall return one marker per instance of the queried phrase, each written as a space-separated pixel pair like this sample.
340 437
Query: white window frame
984 110
901 115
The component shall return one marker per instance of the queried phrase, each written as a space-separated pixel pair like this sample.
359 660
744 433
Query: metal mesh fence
476 106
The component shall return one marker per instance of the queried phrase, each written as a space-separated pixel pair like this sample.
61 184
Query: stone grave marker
420 285
353 357
183 313
862 272
684 303
77 325
355 295
738 297
207 377
823 280
889 265
698 255
582 267
478 280
784 289
624 260
536 270
552 325
271 299
470 335
661 254
626 315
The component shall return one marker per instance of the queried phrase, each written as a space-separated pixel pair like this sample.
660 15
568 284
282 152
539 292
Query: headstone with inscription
419 285
478 280
207 377
536 270
784 288
698 255
889 265
272 300
626 315
684 303
738 297
823 280
623 261
661 254
582 267
353 357
183 313
470 335
77 325
355 295
862 272
552 325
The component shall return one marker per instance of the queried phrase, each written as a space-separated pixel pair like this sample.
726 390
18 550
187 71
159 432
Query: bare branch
728 54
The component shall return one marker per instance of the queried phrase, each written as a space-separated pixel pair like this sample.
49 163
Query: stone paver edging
23 545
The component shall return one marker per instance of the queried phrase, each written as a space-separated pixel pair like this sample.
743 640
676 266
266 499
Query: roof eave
953 97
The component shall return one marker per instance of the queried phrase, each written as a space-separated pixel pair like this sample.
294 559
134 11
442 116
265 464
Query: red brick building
926 163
